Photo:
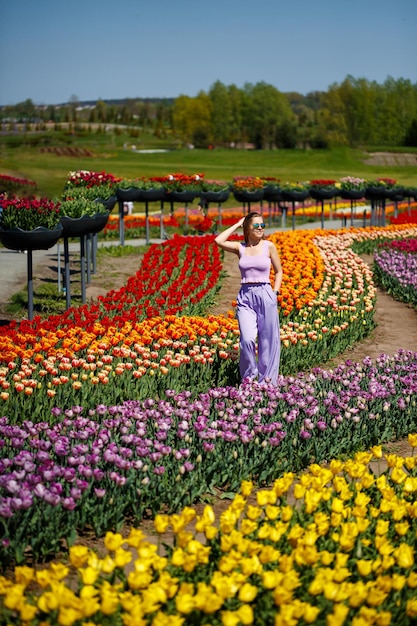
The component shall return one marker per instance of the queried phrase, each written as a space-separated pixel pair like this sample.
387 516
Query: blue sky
51 50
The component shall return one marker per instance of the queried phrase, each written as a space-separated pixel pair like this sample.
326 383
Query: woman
257 310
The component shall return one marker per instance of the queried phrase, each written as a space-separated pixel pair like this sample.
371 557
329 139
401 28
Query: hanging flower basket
131 194
136 194
181 196
215 196
352 194
244 195
381 189
294 195
272 193
79 226
39 238
100 220
151 195
323 194
110 203
376 193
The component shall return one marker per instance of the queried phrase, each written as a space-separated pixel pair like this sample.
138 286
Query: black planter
377 193
151 195
110 203
352 194
135 194
323 194
78 226
215 196
180 196
397 197
294 196
272 193
248 196
39 238
128 195
100 220
409 192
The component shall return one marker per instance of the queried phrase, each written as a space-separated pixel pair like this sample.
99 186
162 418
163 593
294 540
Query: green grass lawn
50 171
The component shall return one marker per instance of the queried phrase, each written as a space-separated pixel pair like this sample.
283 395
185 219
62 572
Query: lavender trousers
257 314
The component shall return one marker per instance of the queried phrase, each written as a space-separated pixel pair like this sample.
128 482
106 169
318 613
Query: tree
267 111
221 113
101 111
192 119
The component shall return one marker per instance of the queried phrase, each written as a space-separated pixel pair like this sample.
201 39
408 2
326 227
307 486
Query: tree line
354 112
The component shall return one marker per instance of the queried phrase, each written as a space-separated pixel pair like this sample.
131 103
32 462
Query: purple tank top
255 269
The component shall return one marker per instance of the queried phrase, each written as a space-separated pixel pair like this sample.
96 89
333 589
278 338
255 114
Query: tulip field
131 408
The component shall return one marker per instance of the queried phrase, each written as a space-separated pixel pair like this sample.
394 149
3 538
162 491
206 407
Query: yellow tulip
398 475
139 580
48 602
161 523
24 575
246 488
109 601
358 594
184 603
122 557
161 619
377 451
376 597
404 555
113 541
14 596
412 440
27 612
339 615
206 599
135 537
89 575
247 593
230 618
310 613
264 497
364 567
326 557
411 608
253 512
271 579
78 555
67 616
245 614
269 554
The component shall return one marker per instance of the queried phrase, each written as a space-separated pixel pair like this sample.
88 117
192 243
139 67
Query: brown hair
247 222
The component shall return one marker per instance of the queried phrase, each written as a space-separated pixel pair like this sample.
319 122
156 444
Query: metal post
30 285
82 261
88 246
121 224
58 252
284 216
147 222
67 274
161 221
383 216
94 252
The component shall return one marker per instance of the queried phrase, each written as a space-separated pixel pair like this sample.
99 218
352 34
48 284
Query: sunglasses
257 226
